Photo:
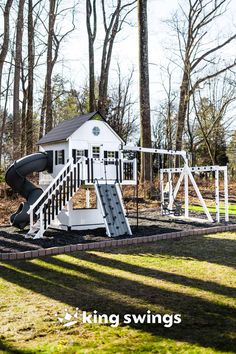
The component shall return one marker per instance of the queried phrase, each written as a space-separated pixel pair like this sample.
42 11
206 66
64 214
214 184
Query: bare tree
30 91
199 60
54 40
4 112
145 119
24 101
48 82
120 114
92 30
211 111
17 75
30 60
3 54
112 26
167 111
5 42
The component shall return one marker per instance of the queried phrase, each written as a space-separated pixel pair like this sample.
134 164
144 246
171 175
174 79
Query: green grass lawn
194 277
212 209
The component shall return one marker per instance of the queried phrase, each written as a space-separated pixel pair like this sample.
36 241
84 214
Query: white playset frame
73 175
186 174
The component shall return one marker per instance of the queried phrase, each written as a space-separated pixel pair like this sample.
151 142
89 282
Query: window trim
92 152
60 160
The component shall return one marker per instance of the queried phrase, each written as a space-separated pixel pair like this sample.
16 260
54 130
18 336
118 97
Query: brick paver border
113 243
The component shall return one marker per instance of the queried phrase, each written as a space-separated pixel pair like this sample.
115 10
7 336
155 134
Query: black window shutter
86 153
74 155
116 154
105 157
50 160
63 156
56 160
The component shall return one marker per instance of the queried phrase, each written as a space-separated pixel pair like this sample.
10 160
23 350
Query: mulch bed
150 223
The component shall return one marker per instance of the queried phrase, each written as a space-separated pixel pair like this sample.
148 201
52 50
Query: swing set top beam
196 169
155 151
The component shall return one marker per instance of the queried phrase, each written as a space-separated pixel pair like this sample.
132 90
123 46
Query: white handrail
50 186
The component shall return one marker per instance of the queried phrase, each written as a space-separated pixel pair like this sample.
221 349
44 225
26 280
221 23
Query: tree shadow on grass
203 322
154 273
6 348
214 250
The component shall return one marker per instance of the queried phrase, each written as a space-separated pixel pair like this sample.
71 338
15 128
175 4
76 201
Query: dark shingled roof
65 129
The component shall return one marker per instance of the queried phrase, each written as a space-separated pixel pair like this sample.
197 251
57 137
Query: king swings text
167 320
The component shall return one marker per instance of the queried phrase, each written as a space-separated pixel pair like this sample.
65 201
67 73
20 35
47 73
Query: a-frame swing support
186 174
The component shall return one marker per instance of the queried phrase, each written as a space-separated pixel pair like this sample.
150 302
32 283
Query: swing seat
176 211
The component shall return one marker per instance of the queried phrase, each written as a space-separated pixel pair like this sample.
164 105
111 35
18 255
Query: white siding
83 138
56 147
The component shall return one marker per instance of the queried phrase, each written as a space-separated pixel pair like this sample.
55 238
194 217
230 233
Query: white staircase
44 211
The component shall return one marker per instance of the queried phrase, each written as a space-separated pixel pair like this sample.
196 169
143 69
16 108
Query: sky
125 49
75 49
73 59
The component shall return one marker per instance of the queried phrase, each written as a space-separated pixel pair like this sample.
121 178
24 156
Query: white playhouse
89 145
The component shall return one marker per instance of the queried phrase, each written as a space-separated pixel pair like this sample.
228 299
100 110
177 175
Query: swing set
169 190
186 174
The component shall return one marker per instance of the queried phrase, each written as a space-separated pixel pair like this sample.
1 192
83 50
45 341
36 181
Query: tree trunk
23 110
29 114
145 120
23 120
182 111
5 43
4 113
49 117
91 38
42 115
17 74
111 31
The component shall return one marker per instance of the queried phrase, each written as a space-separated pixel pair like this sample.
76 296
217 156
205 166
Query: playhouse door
98 167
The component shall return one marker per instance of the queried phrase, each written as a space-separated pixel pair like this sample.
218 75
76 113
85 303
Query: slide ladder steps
113 210
54 199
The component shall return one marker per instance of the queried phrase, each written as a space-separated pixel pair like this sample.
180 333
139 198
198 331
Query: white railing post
41 225
162 190
226 194
217 196
31 220
135 170
186 200
171 197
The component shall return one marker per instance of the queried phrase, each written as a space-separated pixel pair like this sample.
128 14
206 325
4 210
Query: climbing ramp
109 197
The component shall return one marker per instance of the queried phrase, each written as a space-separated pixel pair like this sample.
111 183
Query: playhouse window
60 157
111 154
110 157
96 152
78 154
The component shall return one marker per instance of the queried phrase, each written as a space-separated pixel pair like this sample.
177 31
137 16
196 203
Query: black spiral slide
16 179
